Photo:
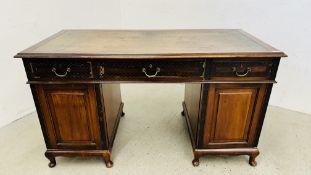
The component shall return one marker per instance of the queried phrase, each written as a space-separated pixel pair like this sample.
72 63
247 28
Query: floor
152 139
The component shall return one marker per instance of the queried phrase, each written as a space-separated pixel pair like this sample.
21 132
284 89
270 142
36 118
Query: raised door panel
232 115
70 116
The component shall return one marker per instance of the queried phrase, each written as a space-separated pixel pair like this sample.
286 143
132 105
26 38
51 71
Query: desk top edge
266 50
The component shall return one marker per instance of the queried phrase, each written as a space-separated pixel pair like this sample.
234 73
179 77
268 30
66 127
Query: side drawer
241 69
150 70
59 70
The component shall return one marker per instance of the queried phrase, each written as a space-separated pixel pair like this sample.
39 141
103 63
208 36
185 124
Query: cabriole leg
252 160
196 160
51 158
108 162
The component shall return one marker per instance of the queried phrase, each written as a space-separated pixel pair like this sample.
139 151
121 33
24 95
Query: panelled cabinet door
233 111
70 116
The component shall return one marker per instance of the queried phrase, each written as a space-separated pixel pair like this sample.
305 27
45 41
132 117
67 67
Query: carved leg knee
108 162
51 158
252 160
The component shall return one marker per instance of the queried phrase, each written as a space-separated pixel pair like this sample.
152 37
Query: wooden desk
75 74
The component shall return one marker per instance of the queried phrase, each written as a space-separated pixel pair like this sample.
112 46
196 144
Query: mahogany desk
75 78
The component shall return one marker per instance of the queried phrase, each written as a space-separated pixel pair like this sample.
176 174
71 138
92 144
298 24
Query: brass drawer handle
151 76
61 75
241 74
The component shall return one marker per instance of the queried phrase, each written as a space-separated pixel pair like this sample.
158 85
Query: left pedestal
78 119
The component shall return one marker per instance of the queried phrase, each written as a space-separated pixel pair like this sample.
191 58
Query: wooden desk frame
78 99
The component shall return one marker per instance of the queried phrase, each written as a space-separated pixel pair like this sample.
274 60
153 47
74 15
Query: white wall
282 23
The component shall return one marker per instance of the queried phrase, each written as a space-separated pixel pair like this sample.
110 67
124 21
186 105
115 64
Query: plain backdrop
284 24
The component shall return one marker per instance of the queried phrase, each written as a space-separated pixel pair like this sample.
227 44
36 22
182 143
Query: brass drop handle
61 75
151 76
243 74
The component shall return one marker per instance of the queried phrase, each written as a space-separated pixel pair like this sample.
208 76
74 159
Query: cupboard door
70 116
232 114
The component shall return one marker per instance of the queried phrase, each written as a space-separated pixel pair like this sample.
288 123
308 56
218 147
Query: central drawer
150 70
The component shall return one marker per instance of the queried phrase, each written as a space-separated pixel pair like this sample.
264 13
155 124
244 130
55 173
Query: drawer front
150 70
242 69
59 70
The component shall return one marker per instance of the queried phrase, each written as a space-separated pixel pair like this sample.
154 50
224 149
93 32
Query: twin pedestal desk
75 78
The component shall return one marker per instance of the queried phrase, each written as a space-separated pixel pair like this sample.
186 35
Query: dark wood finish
192 106
173 71
58 70
198 151
185 114
52 153
150 70
241 69
71 122
232 114
159 44
113 109
169 80
252 152
75 75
